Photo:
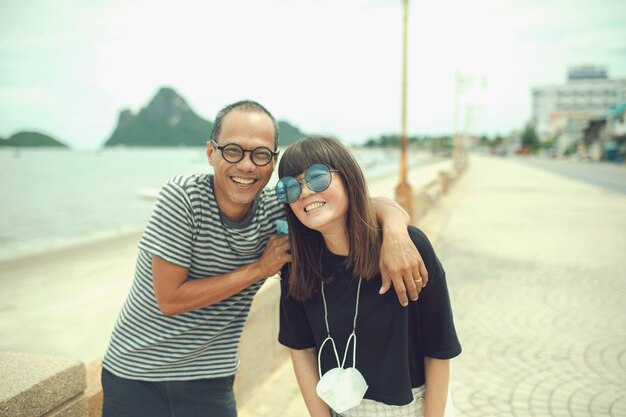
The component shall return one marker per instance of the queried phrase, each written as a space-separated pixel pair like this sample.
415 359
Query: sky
68 67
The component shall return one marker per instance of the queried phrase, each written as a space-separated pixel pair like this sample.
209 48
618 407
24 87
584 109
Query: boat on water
148 193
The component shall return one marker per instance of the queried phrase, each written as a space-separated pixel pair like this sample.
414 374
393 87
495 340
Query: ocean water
52 198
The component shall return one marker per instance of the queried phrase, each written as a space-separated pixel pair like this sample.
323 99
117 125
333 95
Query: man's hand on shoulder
401 264
275 255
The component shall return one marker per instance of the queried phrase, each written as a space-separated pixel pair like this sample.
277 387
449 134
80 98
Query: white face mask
341 388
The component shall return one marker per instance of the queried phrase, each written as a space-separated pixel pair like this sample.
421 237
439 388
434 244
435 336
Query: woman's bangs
302 154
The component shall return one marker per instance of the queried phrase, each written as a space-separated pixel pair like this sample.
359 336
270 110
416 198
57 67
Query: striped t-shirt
186 229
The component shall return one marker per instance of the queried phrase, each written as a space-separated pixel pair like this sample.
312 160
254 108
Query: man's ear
210 152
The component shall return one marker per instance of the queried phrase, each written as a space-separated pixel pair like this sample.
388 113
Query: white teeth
313 206
244 181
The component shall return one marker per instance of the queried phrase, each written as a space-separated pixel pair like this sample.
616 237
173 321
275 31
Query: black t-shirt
391 340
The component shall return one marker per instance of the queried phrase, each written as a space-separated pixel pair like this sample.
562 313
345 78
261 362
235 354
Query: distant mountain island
31 139
169 121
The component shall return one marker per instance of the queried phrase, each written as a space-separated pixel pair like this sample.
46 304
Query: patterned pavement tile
543 329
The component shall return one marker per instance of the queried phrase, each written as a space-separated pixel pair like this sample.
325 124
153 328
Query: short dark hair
243 105
364 236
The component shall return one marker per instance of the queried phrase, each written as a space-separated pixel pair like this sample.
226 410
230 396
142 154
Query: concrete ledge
93 392
35 385
421 205
426 196
445 179
76 407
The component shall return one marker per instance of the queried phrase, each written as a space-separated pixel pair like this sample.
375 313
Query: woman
397 357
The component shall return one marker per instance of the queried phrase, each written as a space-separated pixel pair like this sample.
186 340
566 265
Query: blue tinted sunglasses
317 177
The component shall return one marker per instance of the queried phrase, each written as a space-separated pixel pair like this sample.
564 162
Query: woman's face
324 211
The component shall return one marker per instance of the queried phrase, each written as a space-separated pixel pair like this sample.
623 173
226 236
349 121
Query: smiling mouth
313 206
243 181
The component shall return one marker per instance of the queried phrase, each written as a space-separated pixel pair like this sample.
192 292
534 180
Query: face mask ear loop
319 354
353 334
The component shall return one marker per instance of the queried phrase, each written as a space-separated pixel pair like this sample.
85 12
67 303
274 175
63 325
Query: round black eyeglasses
317 177
234 153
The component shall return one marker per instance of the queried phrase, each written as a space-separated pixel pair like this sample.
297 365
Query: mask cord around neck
329 338
356 308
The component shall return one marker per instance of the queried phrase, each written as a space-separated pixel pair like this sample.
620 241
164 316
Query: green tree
530 139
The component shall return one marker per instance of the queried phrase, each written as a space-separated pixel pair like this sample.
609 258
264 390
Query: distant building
587 94
606 137
568 127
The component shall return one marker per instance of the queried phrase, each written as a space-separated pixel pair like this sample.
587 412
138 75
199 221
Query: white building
588 90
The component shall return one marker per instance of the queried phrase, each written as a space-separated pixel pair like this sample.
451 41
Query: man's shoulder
268 195
269 202
190 181
191 187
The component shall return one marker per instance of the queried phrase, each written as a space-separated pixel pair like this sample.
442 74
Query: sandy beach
65 302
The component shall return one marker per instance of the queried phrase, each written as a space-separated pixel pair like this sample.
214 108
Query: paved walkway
537 275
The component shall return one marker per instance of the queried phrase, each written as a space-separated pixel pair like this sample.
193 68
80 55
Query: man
207 248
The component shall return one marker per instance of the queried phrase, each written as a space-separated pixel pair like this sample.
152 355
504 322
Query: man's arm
176 293
400 262
305 367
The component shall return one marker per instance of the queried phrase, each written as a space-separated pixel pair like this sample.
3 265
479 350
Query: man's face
237 184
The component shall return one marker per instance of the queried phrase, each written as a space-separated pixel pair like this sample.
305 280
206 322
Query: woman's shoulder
284 278
419 238
424 247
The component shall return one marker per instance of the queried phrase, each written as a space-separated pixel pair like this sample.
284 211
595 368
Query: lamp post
460 140
457 138
404 195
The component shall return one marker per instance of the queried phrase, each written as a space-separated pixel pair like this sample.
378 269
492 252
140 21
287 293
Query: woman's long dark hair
364 234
